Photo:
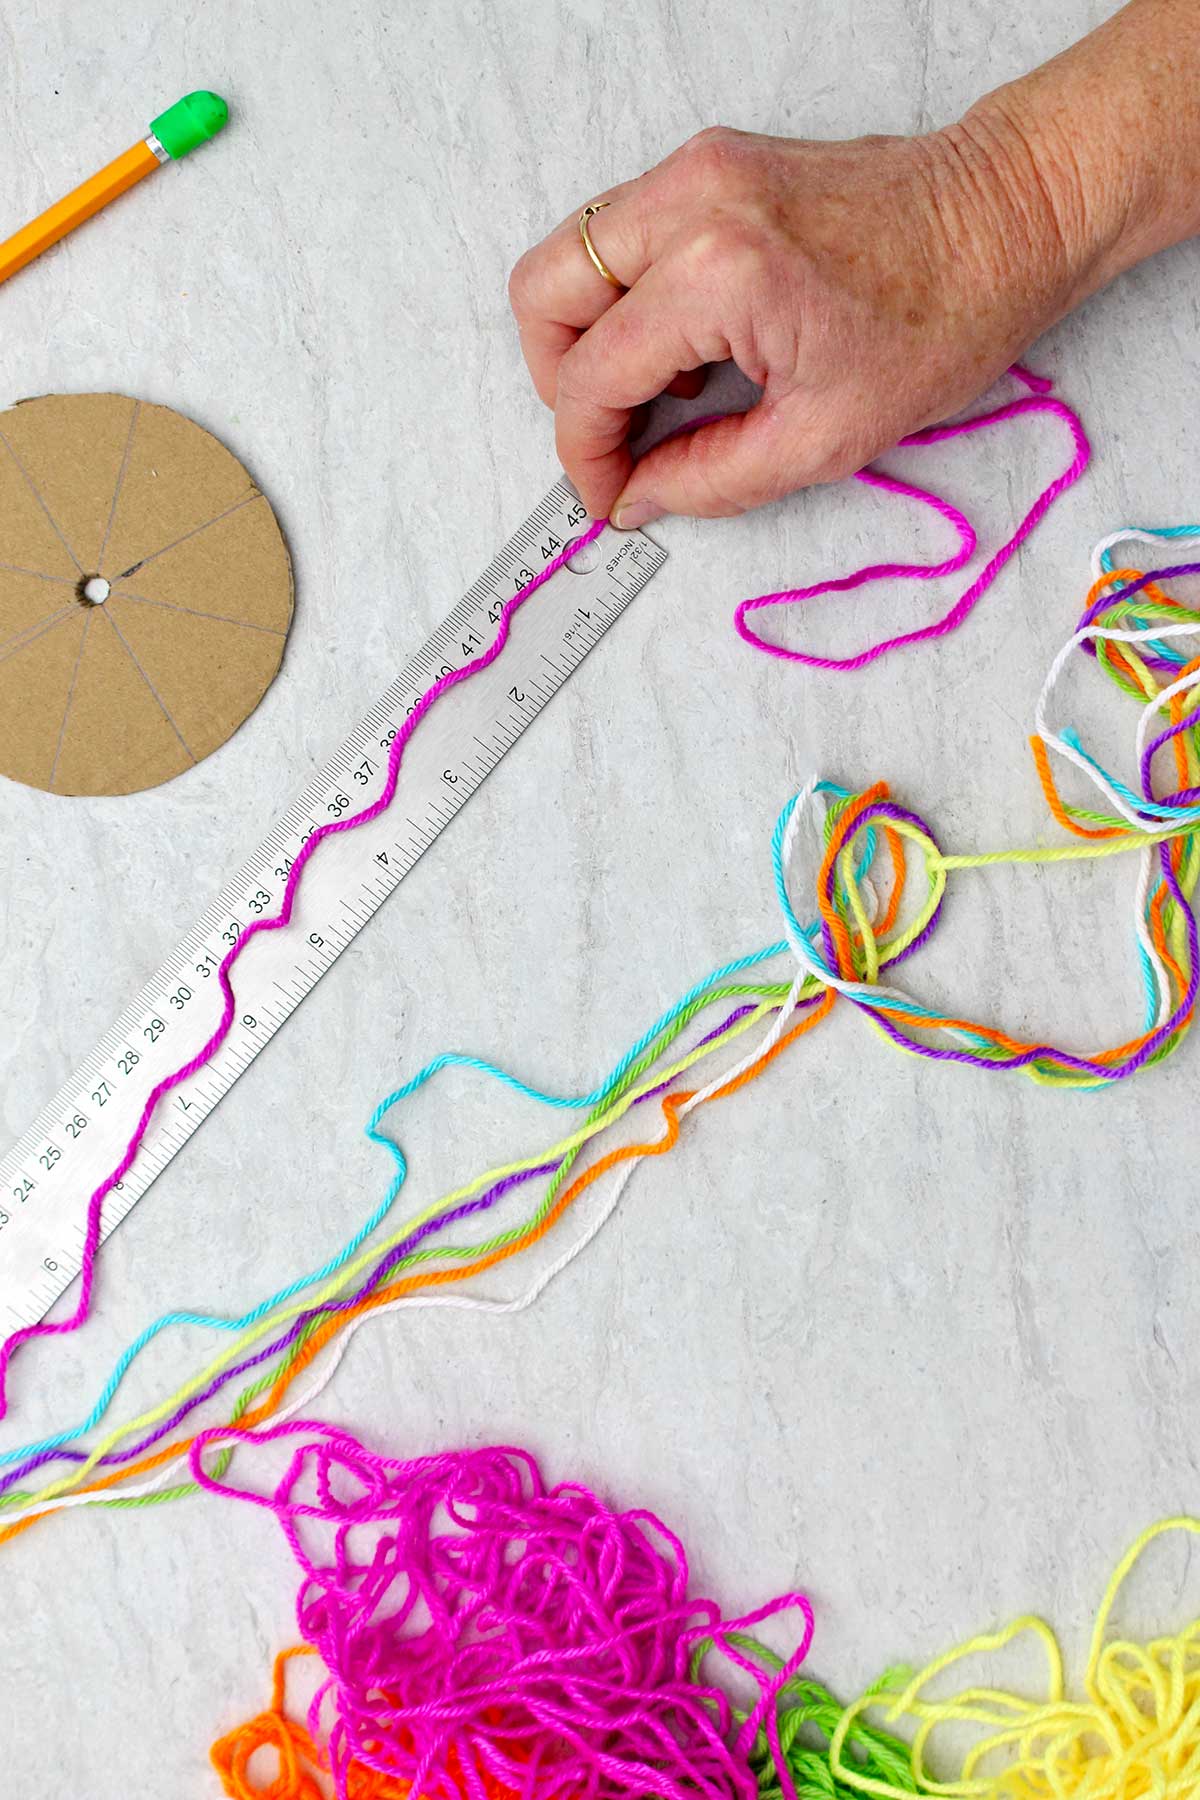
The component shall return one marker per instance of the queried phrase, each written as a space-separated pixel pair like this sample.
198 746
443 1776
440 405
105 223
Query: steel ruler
47 1179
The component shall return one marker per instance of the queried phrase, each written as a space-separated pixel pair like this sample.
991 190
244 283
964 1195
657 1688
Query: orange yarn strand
438 1277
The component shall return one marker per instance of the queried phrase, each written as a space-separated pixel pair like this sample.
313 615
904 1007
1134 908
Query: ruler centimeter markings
47 1179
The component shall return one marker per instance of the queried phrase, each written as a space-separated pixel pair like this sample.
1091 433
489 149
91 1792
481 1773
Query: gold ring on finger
597 261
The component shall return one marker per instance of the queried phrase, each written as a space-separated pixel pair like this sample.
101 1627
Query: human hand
869 287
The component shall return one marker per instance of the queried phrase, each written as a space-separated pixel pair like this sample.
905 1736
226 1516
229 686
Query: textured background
918 1339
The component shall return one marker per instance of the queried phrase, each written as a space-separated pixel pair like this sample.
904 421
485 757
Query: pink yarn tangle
1038 401
480 1630
272 922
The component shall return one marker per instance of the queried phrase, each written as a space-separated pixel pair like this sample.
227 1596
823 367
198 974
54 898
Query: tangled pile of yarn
483 1634
479 1634
1132 1734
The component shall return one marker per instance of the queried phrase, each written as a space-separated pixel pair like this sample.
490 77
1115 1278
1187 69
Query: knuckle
713 144
710 155
744 489
717 500
826 455
705 254
839 460
728 249
835 441
620 337
753 462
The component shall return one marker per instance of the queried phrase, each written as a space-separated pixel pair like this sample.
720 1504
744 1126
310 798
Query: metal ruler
48 1178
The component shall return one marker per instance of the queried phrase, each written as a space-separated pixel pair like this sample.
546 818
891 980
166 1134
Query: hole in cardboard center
93 590
582 562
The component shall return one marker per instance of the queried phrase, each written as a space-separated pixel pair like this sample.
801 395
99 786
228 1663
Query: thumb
723 467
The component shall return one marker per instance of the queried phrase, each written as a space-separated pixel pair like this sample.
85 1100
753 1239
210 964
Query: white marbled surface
919 1340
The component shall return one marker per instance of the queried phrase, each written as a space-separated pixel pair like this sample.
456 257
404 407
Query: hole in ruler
582 562
92 590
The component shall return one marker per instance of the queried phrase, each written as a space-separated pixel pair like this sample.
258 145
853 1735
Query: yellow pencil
191 121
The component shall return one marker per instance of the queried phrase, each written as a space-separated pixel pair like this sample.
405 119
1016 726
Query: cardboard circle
121 695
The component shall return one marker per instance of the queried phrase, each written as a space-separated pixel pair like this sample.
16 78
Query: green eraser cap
191 121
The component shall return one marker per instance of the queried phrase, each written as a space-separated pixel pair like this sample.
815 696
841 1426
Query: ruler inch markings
47 1178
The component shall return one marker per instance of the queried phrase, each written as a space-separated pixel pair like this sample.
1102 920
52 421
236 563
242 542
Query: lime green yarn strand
1134 840
1142 689
187 1489
873 960
607 1112
933 898
1087 816
806 1717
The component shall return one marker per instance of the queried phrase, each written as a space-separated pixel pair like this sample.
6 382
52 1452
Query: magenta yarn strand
272 922
1038 401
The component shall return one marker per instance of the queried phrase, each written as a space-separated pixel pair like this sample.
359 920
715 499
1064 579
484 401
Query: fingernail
636 513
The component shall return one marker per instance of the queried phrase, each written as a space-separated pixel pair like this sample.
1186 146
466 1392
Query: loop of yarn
1038 401
298 1758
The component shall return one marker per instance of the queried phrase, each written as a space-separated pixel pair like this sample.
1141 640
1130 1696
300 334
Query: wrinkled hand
868 287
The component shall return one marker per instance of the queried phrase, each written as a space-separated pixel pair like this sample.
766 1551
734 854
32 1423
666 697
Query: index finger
632 352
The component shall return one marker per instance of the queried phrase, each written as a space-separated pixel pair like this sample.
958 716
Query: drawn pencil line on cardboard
112 511
62 730
195 612
34 490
